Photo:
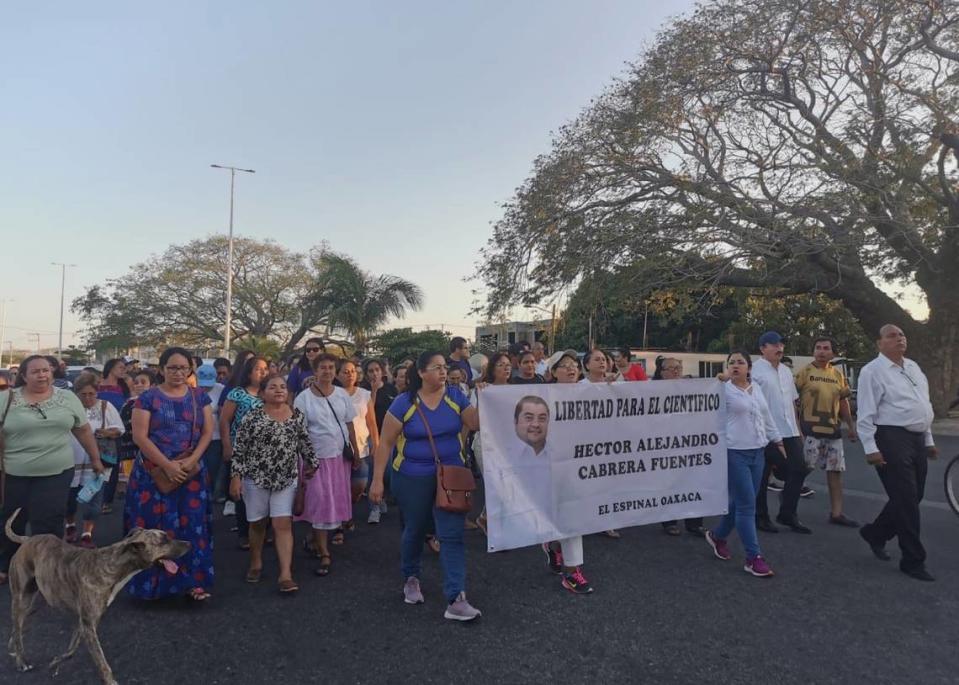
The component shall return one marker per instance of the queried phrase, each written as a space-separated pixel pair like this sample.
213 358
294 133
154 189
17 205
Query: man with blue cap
213 456
779 388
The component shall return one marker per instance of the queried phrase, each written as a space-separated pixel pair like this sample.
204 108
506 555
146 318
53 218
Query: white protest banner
569 459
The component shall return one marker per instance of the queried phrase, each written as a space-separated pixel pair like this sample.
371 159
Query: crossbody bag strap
335 416
3 450
429 433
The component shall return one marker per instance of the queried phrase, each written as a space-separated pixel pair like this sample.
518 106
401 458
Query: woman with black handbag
329 418
425 426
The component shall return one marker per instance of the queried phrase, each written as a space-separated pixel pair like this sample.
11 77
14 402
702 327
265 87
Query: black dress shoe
765 525
794 524
918 573
698 531
878 551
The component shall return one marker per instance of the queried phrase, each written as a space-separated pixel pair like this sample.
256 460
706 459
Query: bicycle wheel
952 484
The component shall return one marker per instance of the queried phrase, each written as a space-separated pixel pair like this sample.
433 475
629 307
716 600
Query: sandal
70 533
198 594
349 525
254 575
324 569
338 537
612 534
481 523
672 529
433 543
287 586
244 545
470 525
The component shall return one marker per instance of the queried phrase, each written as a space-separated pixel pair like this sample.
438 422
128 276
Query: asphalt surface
664 611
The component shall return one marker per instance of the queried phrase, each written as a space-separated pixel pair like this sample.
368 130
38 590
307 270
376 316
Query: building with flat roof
502 335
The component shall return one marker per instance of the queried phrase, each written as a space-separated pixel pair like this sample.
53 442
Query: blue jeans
213 459
415 496
745 469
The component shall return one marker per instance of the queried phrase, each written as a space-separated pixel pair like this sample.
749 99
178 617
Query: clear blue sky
391 130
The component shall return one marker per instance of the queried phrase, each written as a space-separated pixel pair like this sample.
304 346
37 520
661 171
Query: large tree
397 344
809 146
179 296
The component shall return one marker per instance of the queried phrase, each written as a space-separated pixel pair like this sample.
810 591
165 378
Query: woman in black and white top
270 442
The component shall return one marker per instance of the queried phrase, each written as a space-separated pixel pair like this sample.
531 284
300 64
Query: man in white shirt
895 421
779 389
539 353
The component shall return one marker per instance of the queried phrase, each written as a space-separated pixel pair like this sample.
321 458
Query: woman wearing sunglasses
302 373
37 420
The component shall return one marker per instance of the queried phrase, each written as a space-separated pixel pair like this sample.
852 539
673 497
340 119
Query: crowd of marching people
277 445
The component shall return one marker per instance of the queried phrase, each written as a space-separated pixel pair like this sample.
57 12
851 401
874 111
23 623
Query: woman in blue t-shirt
413 476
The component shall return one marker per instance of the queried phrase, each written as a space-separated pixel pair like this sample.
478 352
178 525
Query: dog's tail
8 529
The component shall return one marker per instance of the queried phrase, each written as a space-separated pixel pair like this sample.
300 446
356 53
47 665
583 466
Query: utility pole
645 319
229 259
36 348
63 283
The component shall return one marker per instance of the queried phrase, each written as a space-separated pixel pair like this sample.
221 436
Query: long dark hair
237 372
658 374
122 382
165 357
22 370
413 380
491 366
247 370
304 361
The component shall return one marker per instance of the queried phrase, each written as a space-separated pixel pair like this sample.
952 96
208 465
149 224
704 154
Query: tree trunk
936 348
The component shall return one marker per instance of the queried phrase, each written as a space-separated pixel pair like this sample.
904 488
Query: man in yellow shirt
823 405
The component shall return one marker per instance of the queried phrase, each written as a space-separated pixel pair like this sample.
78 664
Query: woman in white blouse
749 428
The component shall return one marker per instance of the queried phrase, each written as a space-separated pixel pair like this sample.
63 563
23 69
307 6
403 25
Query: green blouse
38 435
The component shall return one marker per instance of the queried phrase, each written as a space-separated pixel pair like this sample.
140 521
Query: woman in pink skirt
329 417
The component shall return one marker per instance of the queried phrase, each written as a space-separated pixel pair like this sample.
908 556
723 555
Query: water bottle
91 488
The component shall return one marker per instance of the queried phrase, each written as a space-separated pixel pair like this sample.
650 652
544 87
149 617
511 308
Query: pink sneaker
720 548
758 567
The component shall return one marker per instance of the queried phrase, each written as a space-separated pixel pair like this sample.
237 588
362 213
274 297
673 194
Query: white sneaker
229 509
383 508
374 516
411 591
461 610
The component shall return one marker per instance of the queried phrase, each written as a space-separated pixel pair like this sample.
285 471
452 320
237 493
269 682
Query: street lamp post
229 257
63 283
3 327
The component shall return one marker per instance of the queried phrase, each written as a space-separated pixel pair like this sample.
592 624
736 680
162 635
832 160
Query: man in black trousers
895 420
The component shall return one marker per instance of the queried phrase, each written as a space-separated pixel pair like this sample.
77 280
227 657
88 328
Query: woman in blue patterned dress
168 421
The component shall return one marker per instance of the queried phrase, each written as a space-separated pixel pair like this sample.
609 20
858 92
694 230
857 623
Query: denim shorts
363 473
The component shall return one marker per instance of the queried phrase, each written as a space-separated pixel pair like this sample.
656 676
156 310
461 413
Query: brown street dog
82 581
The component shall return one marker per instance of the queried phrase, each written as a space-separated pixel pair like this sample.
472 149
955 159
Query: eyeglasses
437 367
312 349
178 369
908 378
569 367
672 368
38 408
502 365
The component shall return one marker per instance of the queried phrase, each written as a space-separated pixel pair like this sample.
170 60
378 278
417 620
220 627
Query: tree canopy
807 146
397 344
279 297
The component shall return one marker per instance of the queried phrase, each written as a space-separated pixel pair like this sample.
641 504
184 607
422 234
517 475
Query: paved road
664 611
